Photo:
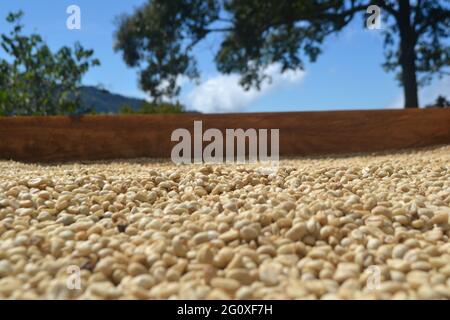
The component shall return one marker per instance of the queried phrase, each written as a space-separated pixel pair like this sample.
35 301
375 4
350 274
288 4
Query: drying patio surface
366 226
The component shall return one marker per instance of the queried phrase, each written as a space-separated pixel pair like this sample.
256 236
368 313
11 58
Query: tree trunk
408 40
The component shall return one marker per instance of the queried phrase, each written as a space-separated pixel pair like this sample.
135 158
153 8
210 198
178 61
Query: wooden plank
301 133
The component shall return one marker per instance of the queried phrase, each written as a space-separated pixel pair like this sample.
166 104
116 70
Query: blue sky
348 75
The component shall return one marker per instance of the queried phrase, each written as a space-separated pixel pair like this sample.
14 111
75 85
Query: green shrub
153 108
163 107
126 109
441 102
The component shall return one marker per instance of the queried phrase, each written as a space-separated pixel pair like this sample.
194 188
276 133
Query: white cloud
180 81
223 93
427 95
398 103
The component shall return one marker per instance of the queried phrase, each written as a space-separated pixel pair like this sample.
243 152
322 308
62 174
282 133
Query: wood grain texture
34 139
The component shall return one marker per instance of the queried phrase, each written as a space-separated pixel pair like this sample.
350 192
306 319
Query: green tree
35 81
159 38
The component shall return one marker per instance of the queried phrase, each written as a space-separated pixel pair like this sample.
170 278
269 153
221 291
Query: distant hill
104 101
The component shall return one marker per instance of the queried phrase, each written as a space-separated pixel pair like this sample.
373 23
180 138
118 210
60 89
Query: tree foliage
153 107
160 36
441 102
36 81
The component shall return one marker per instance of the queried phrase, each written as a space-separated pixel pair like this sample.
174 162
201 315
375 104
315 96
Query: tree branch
389 9
219 29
